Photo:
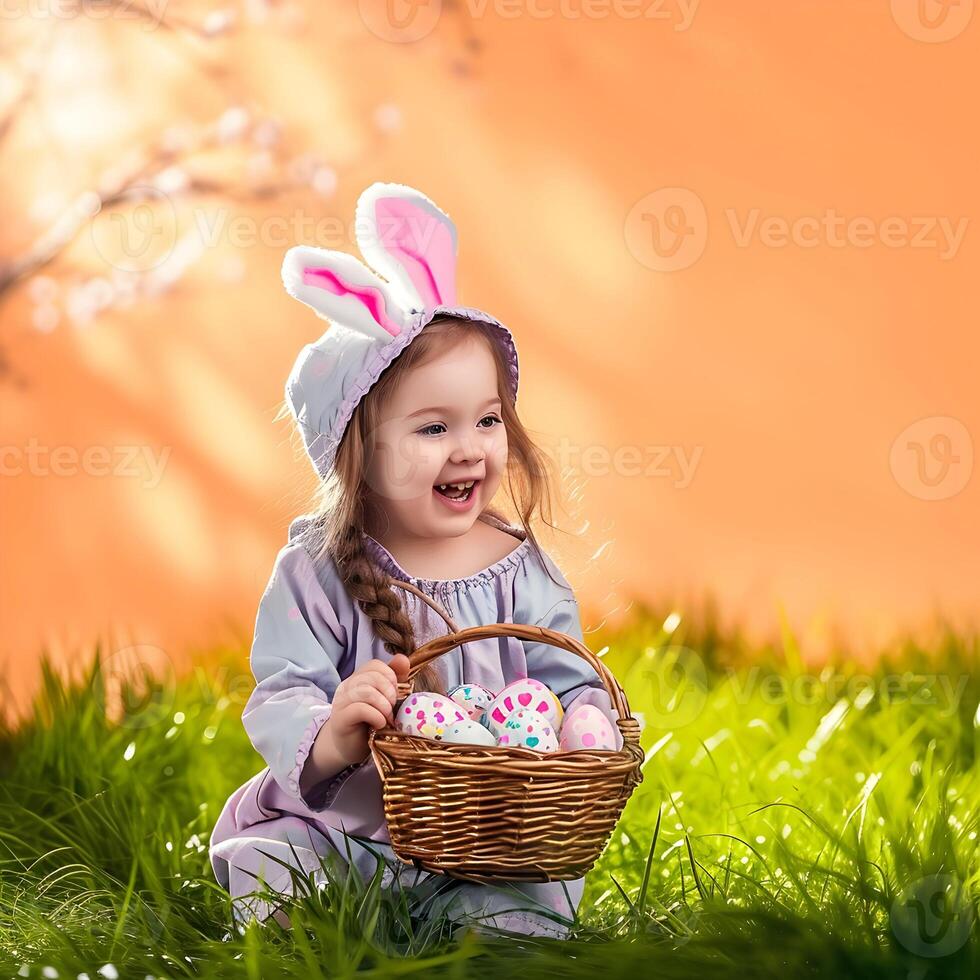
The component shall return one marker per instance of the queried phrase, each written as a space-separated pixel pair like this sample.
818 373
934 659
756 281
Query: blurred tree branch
148 171
167 169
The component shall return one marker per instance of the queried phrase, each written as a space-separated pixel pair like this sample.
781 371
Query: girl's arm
324 762
362 701
298 645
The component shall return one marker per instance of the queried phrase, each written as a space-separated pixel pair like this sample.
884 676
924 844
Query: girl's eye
437 425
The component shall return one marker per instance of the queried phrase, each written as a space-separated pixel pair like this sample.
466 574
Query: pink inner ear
372 297
422 245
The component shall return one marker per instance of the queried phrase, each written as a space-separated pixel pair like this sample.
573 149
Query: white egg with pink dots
428 715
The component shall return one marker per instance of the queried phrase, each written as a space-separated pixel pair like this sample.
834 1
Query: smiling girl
407 409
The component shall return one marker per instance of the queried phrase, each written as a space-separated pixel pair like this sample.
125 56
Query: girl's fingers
379 667
399 666
372 696
395 672
366 713
374 681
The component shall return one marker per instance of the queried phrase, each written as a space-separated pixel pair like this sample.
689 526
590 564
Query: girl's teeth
461 491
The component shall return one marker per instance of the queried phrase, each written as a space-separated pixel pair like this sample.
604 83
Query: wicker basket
485 813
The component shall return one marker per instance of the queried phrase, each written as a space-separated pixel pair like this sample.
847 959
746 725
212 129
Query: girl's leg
288 843
529 908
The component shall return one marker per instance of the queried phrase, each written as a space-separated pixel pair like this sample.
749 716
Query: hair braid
370 586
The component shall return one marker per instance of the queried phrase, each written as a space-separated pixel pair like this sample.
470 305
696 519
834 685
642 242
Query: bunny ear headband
412 244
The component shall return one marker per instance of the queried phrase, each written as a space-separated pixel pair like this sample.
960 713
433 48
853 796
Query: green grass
791 822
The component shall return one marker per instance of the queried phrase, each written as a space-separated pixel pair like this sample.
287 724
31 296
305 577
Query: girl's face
442 426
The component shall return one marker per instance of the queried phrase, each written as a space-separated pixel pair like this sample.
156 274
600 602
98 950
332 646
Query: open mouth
459 492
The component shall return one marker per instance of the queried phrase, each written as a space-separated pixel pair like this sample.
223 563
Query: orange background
788 371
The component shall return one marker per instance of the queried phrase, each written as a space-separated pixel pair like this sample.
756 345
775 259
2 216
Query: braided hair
370 587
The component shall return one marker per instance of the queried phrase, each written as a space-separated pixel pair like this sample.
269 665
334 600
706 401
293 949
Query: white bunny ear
343 290
410 241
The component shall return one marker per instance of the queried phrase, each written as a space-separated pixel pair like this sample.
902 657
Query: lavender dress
309 635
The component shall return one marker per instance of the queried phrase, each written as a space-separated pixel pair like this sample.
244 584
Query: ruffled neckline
387 561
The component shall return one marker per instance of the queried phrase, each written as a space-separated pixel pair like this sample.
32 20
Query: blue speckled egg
472 698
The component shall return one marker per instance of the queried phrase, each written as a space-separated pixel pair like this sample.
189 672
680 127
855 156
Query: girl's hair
339 518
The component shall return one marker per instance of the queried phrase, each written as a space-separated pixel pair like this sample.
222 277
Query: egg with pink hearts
528 729
526 693
586 727
469 732
428 715
473 699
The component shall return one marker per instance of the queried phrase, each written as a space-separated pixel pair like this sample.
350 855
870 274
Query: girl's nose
468 451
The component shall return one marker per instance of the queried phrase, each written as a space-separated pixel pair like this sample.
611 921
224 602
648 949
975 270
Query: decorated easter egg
473 699
525 728
428 715
524 693
586 727
469 732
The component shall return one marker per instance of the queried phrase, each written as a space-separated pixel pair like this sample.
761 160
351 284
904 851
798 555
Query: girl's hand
365 700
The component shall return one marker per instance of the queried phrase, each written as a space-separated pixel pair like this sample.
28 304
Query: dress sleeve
570 677
299 643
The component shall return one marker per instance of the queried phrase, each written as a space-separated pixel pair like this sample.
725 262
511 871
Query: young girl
406 406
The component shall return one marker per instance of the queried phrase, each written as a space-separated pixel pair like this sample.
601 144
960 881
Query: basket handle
628 725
